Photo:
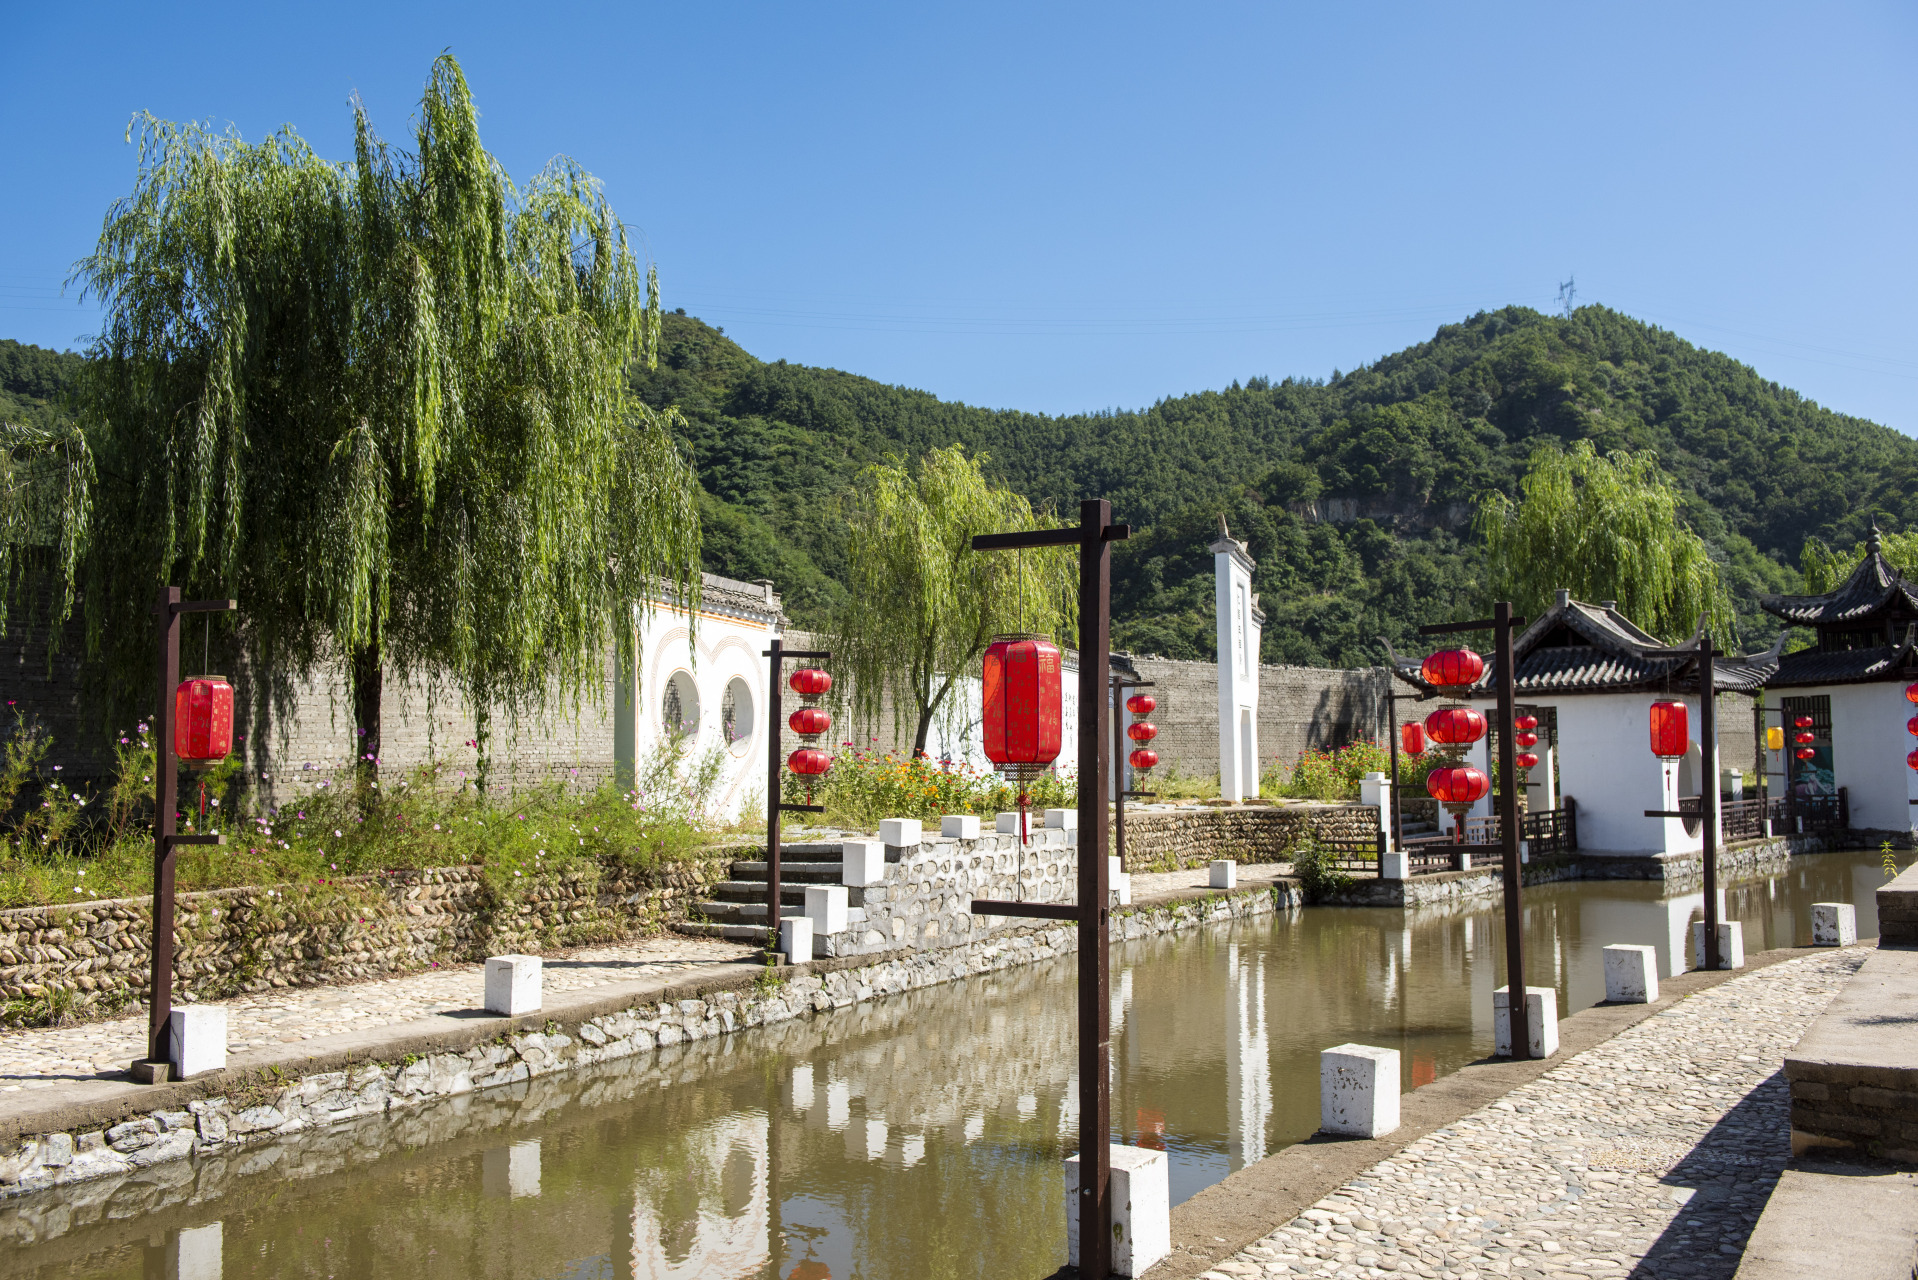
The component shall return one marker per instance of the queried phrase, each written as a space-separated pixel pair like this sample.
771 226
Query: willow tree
1826 570
922 604
382 404
1606 528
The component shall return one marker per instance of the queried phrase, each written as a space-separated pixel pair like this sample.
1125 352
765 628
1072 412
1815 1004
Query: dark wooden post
156 1067
1708 793
1508 830
1092 912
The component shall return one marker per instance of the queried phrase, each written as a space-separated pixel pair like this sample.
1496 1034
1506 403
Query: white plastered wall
1869 743
1606 765
1239 627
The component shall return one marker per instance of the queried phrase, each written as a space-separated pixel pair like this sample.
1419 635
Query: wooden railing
1548 831
1746 819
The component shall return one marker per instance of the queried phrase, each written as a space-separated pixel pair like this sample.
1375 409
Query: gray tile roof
1887 662
1874 588
1577 647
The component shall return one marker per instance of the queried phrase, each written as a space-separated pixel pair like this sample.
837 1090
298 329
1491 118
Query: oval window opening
736 711
679 709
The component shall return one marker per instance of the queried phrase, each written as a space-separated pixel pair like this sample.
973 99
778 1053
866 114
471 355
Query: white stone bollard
1007 824
1731 944
512 985
1120 888
1375 789
960 826
1833 924
1141 1209
1358 1090
901 833
198 1253
198 1035
1631 974
826 908
1225 873
862 862
1392 867
795 938
1062 819
1541 1022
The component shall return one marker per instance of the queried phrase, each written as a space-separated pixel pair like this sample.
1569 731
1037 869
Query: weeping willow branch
922 605
382 403
1604 528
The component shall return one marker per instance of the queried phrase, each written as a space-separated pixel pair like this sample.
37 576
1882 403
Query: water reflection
920 1135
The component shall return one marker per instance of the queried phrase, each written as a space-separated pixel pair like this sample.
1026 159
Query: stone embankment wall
926 897
228 1111
1182 839
93 958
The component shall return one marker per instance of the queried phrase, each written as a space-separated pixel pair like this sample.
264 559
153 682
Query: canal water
919 1136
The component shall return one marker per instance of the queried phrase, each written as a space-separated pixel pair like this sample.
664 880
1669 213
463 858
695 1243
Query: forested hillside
1355 493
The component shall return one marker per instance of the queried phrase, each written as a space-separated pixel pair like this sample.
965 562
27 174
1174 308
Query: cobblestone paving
1650 1155
46 1056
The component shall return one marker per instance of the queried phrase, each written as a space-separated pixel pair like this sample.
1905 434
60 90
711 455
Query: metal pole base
145 1072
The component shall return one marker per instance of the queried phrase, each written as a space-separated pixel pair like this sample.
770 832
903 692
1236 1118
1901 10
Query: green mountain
1354 493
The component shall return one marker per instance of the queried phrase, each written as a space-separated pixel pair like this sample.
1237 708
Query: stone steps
755 891
751 933
744 912
790 872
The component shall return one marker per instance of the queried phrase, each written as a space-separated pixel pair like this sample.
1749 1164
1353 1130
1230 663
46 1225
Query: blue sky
1066 207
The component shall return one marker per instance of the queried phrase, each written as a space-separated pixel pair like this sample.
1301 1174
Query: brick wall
1183 839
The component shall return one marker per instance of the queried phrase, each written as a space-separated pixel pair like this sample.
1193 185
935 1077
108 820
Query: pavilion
1590 675
1851 683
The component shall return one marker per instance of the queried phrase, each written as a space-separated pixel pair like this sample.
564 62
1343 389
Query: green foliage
863 787
383 404
1825 570
1888 861
1332 774
1606 528
1316 866
921 605
58 845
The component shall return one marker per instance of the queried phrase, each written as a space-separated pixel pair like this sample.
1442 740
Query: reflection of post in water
1248 1061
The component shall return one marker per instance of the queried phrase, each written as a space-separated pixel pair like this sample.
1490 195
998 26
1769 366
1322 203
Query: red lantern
1911 693
809 722
1804 737
1912 759
1527 760
1525 724
1452 667
203 720
809 761
1458 784
1022 703
1671 730
1803 722
1805 753
810 682
1524 739
1143 759
1142 731
1141 704
1455 725
1412 738
1911 725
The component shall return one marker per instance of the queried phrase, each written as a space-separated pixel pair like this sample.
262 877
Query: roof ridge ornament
1874 545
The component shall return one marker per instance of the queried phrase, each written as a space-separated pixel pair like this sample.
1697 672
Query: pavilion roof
1875 588
1576 647
1849 666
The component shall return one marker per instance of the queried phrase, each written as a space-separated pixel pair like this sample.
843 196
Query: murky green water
912 1137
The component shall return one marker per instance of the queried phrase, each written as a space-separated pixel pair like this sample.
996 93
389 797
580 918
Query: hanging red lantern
1458 785
1911 693
809 761
1142 731
1671 730
203 721
1526 760
1911 725
1803 722
1804 737
810 682
1805 753
1912 759
1450 668
1524 739
1141 704
809 722
1021 693
1143 758
1455 725
1412 738
1524 723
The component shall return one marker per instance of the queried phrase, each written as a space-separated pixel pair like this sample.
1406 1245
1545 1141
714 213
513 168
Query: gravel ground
1650 1155
53 1055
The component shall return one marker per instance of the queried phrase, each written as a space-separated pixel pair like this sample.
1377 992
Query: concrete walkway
42 1057
1649 1154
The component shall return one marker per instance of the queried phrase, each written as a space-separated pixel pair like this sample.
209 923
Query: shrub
1332 774
1317 868
865 786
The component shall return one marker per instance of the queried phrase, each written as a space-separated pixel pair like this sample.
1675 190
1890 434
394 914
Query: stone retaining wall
926 897
89 959
240 1109
1183 839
